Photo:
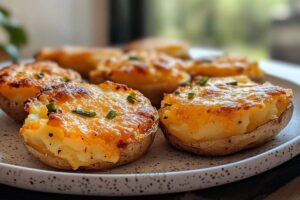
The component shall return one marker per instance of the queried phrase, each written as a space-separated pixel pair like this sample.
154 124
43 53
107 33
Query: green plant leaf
12 51
17 35
15 31
4 11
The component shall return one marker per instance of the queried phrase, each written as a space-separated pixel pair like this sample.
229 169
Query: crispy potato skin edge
129 154
13 109
233 144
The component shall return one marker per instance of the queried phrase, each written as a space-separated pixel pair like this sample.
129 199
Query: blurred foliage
240 26
16 35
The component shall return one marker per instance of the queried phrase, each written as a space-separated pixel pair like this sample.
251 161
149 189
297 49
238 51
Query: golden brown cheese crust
81 59
174 48
151 73
137 69
137 117
221 108
20 82
38 74
132 122
227 65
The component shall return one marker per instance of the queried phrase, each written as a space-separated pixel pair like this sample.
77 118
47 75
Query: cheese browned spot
219 110
84 140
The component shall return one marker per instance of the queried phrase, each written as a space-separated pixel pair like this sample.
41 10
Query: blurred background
257 28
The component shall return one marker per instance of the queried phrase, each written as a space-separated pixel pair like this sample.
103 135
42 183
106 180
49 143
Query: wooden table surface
282 182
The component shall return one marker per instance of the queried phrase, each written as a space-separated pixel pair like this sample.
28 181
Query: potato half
225 115
226 65
171 47
80 59
89 127
21 82
151 73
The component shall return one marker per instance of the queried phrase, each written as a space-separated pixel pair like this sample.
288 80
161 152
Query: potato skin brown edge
128 154
13 109
233 144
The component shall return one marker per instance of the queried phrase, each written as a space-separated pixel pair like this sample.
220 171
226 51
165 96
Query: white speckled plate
162 170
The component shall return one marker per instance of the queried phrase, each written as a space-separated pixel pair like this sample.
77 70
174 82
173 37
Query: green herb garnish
84 112
190 84
131 98
232 83
202 81
191 95
167 104
134 58
176 92
51 107
65 79
111 114
40 75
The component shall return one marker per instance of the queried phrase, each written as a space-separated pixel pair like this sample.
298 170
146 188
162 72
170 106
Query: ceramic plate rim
181 172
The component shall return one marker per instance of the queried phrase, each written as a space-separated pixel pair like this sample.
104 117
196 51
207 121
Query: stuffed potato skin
222 110
151 73
171 47
226 65
80 59
93 127
20 82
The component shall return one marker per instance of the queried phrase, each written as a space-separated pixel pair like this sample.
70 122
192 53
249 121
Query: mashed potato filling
78 151
219 110
86 124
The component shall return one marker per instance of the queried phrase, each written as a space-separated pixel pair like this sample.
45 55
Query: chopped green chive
167 104
65 79
51 107
111 114
190 84
84 112
191 95
134 58
40 75
202 81
176 92
232 83
131 98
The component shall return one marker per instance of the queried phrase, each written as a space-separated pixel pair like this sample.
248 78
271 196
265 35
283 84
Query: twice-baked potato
23 81
151 73
80 59
171 47
89 127
225 115
226 65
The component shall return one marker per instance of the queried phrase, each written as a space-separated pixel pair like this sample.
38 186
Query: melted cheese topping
171 47
83 140
228 65
80 59
219 110
20 82
141 69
